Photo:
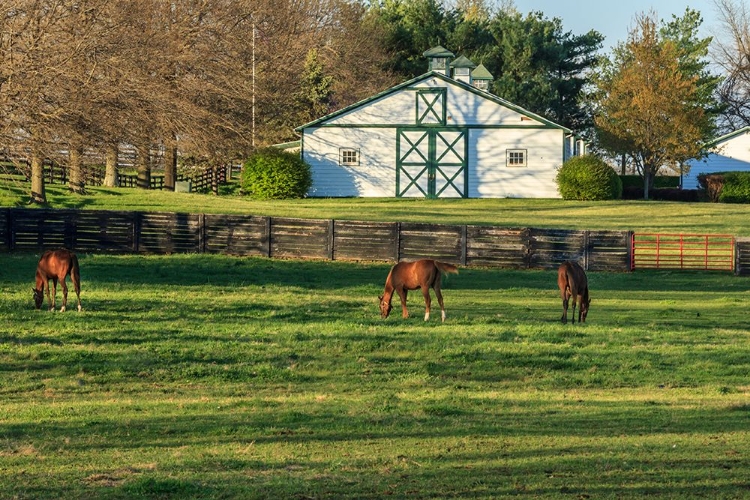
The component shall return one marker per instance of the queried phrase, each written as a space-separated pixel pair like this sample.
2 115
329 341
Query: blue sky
614 19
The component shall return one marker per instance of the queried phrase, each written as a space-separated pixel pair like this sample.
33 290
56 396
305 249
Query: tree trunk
110 170
75 179
170 165
646 181
38 193
143 166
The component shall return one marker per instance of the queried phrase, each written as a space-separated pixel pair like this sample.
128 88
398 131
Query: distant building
728 153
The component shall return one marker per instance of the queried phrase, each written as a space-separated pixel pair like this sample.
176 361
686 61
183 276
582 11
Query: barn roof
728 137
446 79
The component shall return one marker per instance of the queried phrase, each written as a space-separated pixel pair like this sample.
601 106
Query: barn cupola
439 59
481 78
462 67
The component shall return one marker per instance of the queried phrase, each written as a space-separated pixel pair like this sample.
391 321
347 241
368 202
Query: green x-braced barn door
431 163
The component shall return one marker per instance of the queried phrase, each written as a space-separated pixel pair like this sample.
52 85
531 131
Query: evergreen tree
314 96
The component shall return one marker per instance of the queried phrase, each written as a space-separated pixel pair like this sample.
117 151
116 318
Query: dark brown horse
405 276
55 265
572 281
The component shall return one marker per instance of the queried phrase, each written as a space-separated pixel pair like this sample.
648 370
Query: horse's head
385 306
38 298
584 310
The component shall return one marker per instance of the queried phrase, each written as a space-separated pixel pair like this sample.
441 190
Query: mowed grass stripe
207 376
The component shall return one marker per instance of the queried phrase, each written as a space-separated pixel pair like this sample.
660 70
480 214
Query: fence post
397 243
529 250
331 238
464 243
268 237
136 231
201 233
586 250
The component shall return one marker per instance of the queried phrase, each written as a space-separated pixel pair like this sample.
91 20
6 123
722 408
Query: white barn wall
375 176
730 155
489 177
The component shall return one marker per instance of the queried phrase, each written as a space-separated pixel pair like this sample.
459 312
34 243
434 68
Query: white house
436 136
730 152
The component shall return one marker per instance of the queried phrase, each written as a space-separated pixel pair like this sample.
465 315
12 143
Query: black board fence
99 231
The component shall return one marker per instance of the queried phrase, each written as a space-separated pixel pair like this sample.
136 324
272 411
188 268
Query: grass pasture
204 376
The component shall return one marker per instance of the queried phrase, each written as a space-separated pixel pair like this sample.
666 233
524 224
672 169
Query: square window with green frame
349 157
515 158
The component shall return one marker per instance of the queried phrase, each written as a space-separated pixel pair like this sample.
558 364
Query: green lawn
201 376
651 216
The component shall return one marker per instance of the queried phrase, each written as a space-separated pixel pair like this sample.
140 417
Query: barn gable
728 153
435 99
435 136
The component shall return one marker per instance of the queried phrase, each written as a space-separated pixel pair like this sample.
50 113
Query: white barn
728 153
436 136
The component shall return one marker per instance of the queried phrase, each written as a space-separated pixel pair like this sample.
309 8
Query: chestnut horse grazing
571 279
405 276
55 265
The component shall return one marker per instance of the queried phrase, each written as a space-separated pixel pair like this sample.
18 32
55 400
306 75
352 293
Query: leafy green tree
648 106
314 95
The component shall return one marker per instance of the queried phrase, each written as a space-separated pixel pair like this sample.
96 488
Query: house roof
438 51
728 136
446 79
481 73
463 62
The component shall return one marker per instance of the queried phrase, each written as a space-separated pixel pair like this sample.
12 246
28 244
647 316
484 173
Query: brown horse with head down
572 281
405 276
55 265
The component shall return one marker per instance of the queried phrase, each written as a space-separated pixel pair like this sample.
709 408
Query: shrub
273 174
588 178
736 188
711 184
726 187
660 181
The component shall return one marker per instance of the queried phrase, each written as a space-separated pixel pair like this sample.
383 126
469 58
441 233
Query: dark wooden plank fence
278 237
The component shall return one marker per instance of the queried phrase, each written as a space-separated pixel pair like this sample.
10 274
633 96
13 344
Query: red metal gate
710 252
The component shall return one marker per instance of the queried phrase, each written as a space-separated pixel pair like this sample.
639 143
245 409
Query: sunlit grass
204 376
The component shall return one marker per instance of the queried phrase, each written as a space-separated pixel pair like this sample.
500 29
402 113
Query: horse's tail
446 268
75 272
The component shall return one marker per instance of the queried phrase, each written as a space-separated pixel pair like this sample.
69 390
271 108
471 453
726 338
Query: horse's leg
439 295
76 279
565 297
402 294
51 301
574 296
427 302
64 285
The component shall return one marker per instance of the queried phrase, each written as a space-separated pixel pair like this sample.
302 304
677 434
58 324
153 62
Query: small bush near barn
272 174
588 178
726 187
